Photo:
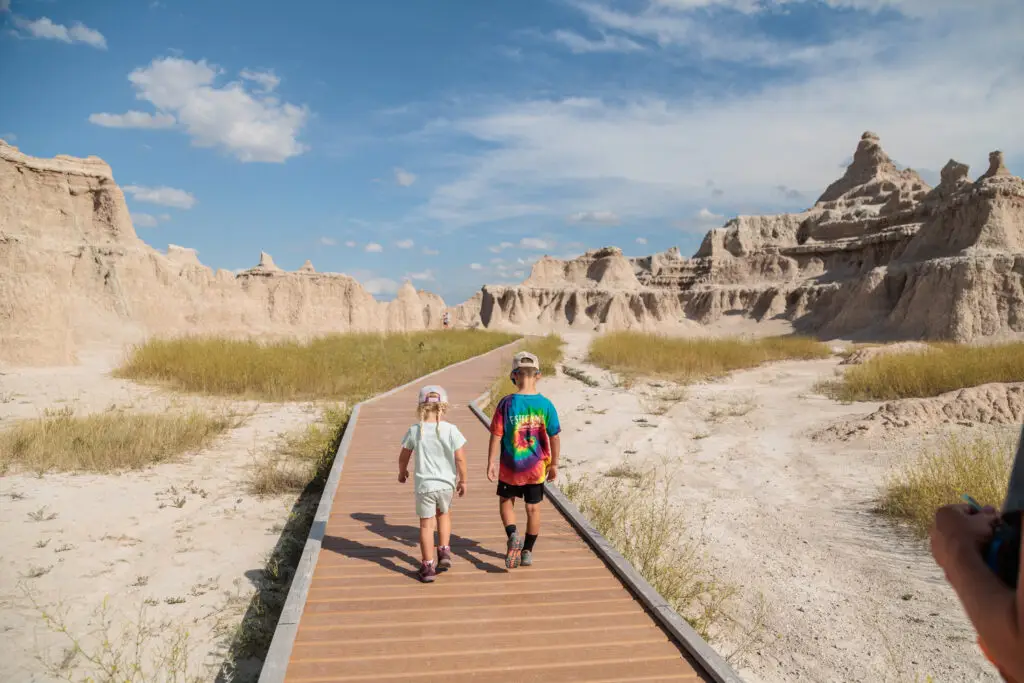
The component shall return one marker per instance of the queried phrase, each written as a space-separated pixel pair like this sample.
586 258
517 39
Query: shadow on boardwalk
402 562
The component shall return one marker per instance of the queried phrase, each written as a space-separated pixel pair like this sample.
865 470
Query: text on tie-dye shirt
525 423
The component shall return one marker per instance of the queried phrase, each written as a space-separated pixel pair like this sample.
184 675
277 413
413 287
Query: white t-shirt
433 447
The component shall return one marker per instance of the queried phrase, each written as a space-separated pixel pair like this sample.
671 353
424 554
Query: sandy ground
788 519
124 537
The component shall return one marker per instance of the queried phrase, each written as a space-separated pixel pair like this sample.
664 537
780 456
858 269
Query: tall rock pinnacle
870 162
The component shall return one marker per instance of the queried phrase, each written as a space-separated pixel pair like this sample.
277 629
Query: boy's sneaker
444 559
513 554
526 559
427 573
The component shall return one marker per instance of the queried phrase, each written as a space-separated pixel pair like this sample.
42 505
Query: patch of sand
124 537
850 597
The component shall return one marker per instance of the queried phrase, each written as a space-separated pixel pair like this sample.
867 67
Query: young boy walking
440 471
523 454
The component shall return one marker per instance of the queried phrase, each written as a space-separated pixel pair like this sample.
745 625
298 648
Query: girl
440 471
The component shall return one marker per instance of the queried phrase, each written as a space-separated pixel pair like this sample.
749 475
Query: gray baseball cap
525 359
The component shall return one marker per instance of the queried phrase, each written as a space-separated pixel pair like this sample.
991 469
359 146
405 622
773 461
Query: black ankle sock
530 540
510 529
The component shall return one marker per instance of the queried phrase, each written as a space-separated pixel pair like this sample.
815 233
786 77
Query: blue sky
454 142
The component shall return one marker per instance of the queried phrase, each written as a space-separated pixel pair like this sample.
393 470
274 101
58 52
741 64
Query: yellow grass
548 349
946 367
634 354
342 367
978 466
639 519
106 442
302 458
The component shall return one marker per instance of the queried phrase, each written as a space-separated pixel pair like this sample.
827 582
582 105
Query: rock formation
880 255
73 274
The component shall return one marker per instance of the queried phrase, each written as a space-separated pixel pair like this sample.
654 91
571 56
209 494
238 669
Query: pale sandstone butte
880 255
74 275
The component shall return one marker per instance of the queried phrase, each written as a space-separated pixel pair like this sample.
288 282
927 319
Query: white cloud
519 274
425 275
350 244
599 217
430 252
144 220
705 215
373 248
380 285
254 126
498 248
133 119
641 240
405 244
165 196
581 45
657 151
265 79
535 243
46 29
164 217
404 178
328 241
475 266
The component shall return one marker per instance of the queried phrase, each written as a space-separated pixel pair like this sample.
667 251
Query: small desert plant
60 441
917 374
633 354
340 367
942 473
580 375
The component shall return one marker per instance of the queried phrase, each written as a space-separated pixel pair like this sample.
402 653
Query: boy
524 433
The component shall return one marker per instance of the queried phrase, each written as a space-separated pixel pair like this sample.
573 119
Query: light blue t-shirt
433 447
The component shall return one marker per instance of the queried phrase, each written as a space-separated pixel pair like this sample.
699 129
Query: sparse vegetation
955 465
301 458
342 367
635 354
41 515
945 367
639 519
106 442
548 349
580 375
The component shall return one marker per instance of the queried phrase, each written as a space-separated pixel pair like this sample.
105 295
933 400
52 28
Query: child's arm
493 451
403 464
460 466
556 452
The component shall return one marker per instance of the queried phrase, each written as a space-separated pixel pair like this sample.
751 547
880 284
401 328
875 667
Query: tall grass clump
106 442
639 519
942 473
302 459
634 354
340 367
548 349
945 367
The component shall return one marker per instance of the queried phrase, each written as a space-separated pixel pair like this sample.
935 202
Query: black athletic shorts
530 493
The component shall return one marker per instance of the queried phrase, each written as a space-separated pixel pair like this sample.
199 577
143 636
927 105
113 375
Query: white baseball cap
427 394
525 359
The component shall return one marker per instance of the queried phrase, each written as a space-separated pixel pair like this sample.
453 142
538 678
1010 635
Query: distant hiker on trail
439 471
523 454
446 319
958 537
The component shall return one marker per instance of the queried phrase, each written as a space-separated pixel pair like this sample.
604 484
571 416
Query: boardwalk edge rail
275 664
677 628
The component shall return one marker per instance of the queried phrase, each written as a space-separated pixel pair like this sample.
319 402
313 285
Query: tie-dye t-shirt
525 423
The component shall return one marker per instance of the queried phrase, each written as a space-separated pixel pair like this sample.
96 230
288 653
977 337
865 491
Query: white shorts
432 502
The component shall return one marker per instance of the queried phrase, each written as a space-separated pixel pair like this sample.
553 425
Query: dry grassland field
153 506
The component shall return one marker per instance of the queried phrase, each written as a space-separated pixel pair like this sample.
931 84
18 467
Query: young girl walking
439 471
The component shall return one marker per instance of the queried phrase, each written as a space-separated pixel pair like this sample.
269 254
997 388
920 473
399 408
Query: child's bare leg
427 538
444 529
532 519
506 507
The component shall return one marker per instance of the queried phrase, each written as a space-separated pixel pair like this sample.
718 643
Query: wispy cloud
641 240
144 220
46 29
133 119
380 285
427 251
253 125
405 244
535 243
373 248
426 275
351 244
606 43
404 178
328 241
498 248
165 196
475 266
599 217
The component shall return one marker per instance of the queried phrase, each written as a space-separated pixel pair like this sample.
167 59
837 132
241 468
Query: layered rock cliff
881 254
73 274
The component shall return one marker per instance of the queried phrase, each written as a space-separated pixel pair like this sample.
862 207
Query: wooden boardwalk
367 618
